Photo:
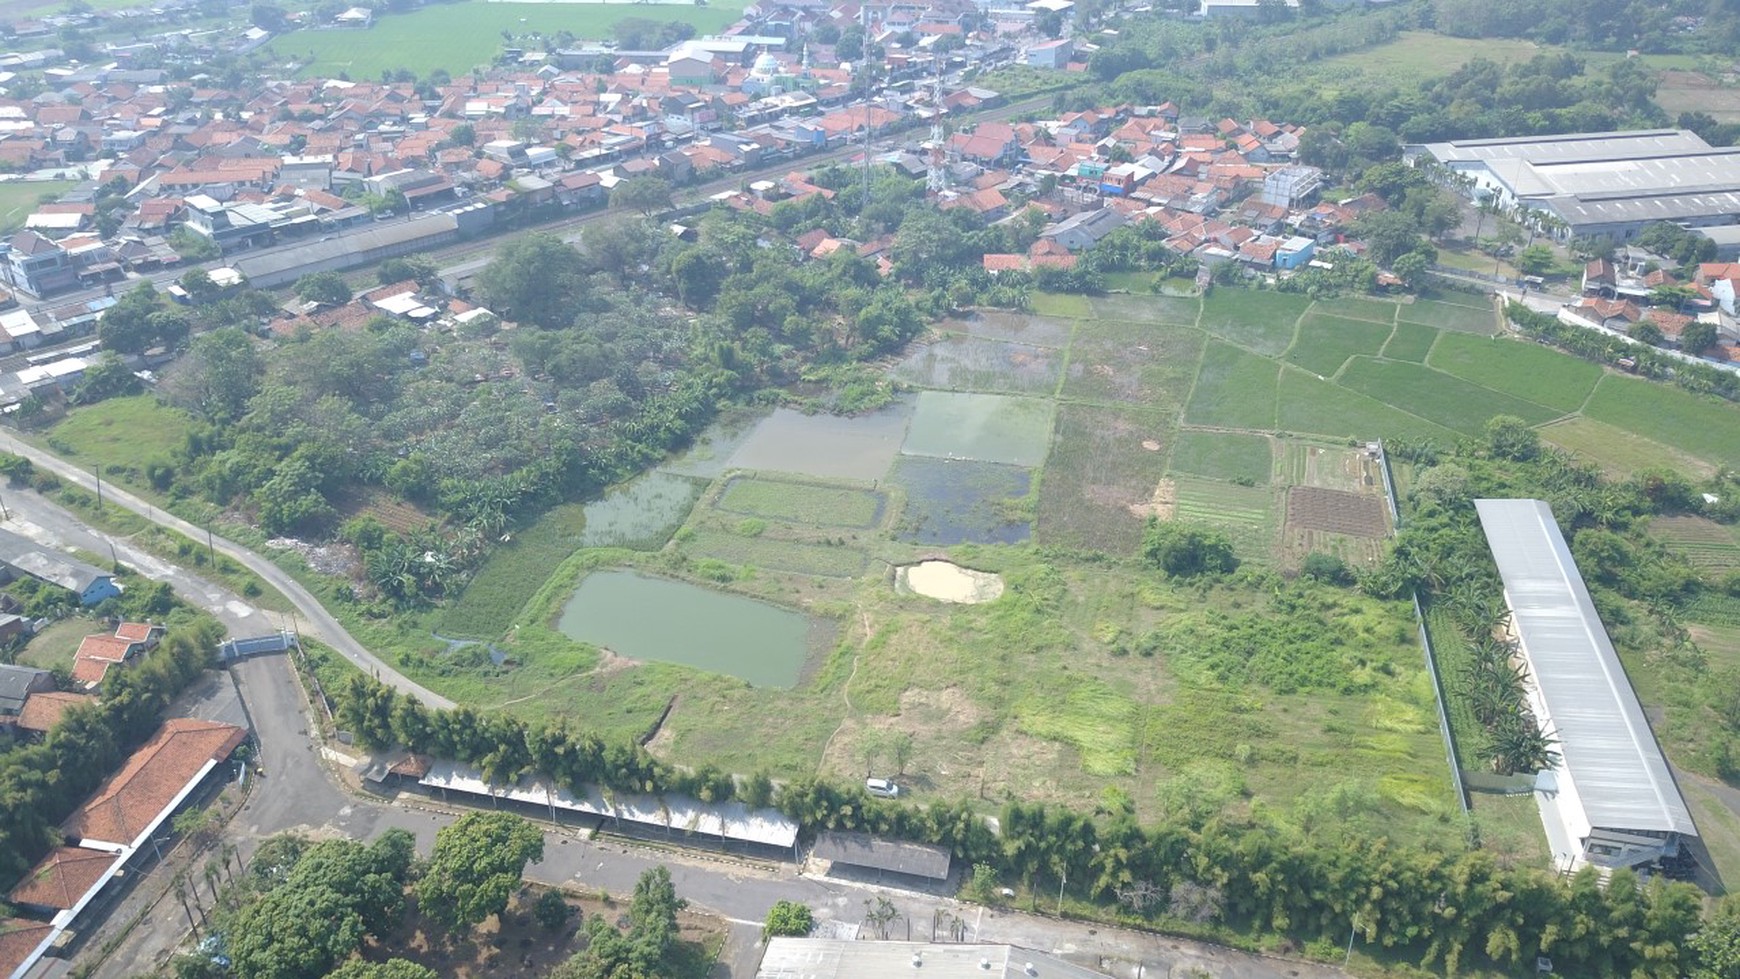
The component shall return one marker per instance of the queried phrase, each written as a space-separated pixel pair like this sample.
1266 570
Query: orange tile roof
42 711
62 877
129 800
135 631
95 655
18 938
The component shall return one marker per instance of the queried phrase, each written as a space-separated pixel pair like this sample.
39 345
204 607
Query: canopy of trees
476 867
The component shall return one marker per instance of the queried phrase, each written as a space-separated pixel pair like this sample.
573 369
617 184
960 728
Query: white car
881 788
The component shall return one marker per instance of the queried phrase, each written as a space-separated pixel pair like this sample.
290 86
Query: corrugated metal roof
1610 755
831 958
899 856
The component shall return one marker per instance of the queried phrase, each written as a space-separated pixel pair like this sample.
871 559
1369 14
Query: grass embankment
20 197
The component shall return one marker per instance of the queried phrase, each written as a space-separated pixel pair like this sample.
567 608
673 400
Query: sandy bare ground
947 582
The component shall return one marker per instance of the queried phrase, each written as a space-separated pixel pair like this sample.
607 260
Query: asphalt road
320 623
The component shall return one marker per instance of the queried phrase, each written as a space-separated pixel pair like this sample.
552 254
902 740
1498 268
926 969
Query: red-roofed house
20 942
60 880
133 802
42 711
97 653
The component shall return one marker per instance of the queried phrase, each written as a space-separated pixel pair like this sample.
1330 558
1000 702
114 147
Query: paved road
321 624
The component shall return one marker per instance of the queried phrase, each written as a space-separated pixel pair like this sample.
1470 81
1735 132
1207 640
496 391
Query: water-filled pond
828 446
657 619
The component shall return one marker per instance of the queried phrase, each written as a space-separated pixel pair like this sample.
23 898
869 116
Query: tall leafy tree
539 279
476 867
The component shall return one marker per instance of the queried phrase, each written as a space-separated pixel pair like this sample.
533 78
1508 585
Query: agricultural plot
1447 400
1245 513
1706 543
980 427
1148 308
1232 456
1102 479
776 554
1456 316
965 363
1038 331
1325 342
1411 342
642 514
1336 512
1306 404
803 503
1701 425
1137 364
1524 370
497 592
952 501
861 447
1064 304
1261 321
1617 451
1357 308
1328 467
1234 389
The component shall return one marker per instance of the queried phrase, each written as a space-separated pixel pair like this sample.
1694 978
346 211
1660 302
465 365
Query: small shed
893 856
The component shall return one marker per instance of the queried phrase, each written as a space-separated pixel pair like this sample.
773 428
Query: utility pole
99 473
210 548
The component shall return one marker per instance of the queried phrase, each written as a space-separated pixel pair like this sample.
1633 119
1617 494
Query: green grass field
812 503
123 435
1518 368
1703 426
1309 405
19 197
459 36
1261 321
1618 451
1411 342
1357 307
1449 401
1423 54
1325 342
774 554
1060 304
1223 455
1234 389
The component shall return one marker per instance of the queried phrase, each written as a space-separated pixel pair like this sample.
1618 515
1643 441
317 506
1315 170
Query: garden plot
1104 478
1330 467
1336 512
991 324
1459 317
980 427
1136 364
1326 342
967 363
828 446
1261 321
1246 514
953 501
1706 543
1176 310
802 503
1232 456
1234 389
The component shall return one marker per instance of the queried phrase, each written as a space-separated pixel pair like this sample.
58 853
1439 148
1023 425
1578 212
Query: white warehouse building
1611 800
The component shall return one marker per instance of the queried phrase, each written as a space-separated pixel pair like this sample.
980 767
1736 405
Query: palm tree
1519 745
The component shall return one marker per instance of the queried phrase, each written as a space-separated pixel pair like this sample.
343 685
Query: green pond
666 621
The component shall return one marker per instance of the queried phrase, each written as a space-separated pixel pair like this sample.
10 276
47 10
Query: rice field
971 363
1468 316
1309 405
1101 480
804 503
1234 388
1449 401
1518 368
1325 342
1617 451
980 427
1411 342
1701 425
1132 363
1259 321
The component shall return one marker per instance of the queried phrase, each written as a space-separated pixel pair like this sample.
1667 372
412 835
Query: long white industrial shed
1612 800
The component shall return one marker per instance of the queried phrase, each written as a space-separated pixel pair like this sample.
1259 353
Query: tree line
41 784
1604 348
